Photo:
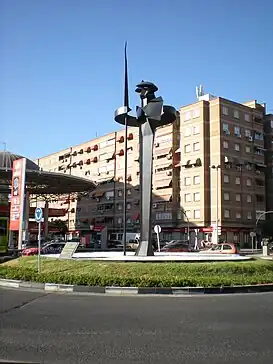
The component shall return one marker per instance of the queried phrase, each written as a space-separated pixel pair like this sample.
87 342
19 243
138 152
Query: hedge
139 274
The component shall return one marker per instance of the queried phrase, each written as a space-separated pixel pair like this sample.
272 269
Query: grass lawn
139 274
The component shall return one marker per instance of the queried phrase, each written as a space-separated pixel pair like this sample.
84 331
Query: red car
51 248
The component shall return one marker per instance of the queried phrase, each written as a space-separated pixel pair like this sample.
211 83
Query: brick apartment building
211 136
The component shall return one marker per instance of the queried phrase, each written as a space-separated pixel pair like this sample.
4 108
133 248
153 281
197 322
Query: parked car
224 248
178 246
50 248
114 244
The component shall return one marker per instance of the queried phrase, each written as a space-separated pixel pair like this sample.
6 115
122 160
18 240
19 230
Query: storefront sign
17 194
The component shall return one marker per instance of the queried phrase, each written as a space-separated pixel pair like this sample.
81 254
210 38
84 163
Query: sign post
157 230
252 235
38 219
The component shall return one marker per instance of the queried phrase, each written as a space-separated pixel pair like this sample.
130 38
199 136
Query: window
259 151
236 114
248 133
249 215
196 180
129 206
248 198
238 180
238 215
129 192
187 148
248 182
197 214
196 146
119 207
196 113
187 116
247 117
226 213
237 131
248 150
196 129
187 197
226 129
225 110
225 144
197 196
163 216
187 132
258 136
226 196
226 178
237 147
187 181
238 197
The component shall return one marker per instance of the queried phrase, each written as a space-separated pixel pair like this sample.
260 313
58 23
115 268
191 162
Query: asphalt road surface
62 328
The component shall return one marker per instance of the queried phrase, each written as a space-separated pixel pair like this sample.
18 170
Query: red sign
98 228
17 194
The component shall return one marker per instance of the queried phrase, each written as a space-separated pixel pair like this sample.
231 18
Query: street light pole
188 221
263 214
217 168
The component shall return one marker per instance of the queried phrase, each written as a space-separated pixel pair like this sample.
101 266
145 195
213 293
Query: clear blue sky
61 63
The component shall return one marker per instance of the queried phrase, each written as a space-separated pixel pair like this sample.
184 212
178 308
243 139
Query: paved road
61 328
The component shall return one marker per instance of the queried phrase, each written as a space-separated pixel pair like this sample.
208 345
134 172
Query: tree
60 225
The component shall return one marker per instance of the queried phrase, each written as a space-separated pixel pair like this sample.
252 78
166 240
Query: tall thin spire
126 103
126 91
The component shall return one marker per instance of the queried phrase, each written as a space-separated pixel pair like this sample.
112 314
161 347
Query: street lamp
186 216
217 168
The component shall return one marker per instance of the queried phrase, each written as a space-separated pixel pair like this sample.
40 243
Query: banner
17 194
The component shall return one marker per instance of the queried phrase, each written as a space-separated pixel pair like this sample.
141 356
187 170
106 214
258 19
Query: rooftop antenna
199 91
5 146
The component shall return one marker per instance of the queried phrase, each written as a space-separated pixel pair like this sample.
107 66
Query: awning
162 198
165 164
164 183
260 165
98 194
162 151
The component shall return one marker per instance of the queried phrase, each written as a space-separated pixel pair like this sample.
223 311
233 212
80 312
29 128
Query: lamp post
217 168
188 221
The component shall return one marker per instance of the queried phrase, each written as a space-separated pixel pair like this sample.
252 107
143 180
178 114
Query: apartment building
269 163
102 160
223 166
214 164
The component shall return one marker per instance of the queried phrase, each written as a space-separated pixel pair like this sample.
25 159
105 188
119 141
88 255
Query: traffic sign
38 214
252 234
157 229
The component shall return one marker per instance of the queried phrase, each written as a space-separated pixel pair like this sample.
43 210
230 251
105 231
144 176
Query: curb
132 291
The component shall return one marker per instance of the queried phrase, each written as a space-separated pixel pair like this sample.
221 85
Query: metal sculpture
149 116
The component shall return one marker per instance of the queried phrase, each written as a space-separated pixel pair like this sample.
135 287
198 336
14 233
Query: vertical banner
17 196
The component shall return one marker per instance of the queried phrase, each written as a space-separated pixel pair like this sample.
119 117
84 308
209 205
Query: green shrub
139 274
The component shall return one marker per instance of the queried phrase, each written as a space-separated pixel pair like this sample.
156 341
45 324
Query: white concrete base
158 257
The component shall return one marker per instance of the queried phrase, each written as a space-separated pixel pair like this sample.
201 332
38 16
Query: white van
120 237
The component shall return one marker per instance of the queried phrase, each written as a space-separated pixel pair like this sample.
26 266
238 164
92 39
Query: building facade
223 165
213 166
269 163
